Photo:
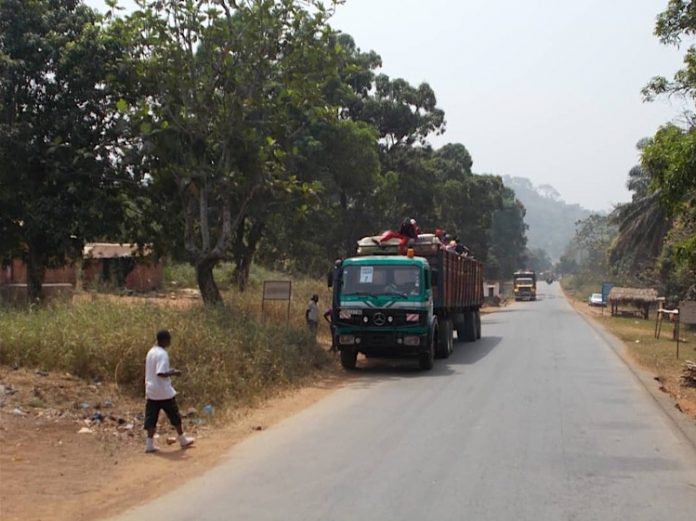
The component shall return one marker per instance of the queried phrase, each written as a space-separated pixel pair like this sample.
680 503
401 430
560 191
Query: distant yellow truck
524 284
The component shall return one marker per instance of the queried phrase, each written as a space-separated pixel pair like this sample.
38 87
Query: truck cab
385 307
524 285
388 303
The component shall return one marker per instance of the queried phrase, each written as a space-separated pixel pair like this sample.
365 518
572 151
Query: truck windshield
381 280
524 281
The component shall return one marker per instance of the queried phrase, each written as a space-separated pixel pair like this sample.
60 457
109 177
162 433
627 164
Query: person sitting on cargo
408 232
461 248
409 228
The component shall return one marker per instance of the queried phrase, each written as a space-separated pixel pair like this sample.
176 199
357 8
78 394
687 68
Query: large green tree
59 178
223 89
643 223
508 239
670 156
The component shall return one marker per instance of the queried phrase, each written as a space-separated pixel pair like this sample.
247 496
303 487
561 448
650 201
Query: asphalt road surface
540 420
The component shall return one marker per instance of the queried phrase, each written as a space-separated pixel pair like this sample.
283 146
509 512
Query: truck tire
469 327
478 324
444 339
349 357
427 360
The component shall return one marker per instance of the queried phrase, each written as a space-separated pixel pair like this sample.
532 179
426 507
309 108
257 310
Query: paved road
538 421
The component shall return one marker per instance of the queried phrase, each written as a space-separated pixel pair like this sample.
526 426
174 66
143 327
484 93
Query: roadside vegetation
230 355
650 241
223 134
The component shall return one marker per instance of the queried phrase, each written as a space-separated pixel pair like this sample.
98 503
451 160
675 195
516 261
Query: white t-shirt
313 314
158 387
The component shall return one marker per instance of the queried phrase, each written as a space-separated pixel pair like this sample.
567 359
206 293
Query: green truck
388 305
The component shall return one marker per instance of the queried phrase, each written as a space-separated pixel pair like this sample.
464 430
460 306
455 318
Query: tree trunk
244 254
35 276
206 282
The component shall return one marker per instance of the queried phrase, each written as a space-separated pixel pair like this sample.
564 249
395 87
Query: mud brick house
58 282
122 266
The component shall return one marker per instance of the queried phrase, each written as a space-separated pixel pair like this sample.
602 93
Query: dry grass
231 355
632 295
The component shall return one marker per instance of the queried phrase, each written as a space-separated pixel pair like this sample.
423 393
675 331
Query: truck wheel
444 339
469 327
427 360
349 357
478 324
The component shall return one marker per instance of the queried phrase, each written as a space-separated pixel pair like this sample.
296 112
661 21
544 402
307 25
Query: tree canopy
222 131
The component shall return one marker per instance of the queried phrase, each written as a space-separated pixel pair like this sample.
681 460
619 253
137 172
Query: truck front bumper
384 344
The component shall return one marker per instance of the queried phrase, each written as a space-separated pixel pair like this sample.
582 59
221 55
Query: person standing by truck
312 314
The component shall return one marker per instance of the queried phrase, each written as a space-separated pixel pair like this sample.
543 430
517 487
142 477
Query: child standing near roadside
160 394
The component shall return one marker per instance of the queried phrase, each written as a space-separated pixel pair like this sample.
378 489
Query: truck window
381 279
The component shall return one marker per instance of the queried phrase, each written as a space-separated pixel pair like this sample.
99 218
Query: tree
538 260
508 238
673 25
588 252
59 180
642 223
402 113
223 88
465 202
670 157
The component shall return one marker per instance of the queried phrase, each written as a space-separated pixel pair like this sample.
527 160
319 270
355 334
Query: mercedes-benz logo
379 319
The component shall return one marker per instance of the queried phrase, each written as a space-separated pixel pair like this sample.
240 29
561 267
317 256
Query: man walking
159 392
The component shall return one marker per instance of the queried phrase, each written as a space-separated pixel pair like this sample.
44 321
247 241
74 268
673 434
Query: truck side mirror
329 279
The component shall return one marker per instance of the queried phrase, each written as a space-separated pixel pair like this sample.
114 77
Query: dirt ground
73 450
656 356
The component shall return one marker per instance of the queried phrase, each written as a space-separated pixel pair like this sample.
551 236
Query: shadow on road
377 370
468 353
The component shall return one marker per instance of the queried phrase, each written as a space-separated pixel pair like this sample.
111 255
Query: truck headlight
346 340
412 340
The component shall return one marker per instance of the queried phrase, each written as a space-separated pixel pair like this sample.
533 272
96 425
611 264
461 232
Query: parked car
596 300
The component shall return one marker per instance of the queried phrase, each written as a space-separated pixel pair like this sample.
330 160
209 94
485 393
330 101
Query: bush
227 355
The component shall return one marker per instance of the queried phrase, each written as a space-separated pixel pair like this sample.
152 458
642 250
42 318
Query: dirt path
51 472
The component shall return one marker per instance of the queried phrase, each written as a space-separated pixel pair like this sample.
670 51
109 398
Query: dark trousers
153 408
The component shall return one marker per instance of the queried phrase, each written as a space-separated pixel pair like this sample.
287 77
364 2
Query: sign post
277 290
687 315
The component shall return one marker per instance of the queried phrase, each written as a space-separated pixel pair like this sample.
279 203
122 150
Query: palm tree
643 223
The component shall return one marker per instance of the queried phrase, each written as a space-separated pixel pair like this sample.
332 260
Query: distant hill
551 220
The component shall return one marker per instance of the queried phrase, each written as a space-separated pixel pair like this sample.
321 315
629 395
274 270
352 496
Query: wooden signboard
687 315
687 312
277 290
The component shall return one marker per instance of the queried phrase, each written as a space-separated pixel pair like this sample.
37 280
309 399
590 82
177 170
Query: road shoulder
50 471
684 424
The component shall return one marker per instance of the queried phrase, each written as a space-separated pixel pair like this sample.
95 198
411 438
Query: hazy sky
548 90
